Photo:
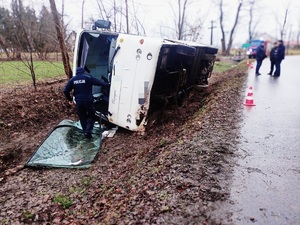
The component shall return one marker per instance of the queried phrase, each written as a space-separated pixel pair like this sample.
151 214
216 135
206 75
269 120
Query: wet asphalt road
266 182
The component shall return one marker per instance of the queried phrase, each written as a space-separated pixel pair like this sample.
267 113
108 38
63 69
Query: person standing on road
273 55
82 85
279 57
260 56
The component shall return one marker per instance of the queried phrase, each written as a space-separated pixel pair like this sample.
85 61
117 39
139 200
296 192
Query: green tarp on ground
66 147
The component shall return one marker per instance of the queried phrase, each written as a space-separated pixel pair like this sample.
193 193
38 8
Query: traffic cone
249 100
250 92
250 65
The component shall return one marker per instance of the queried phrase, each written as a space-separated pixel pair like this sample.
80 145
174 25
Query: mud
176 173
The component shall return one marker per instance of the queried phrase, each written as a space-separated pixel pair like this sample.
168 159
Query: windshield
255 43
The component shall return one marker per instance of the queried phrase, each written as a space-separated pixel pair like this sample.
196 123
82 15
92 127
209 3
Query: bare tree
289 40
44 39
6 26
126 16
60 37
111 11
282 30
282 21
185 28
122 14
250 30
82 11
4 46
298 34
26 37
136 22
226 50
115 15
252 26
181 18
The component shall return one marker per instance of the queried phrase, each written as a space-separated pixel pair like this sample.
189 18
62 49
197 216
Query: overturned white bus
143 72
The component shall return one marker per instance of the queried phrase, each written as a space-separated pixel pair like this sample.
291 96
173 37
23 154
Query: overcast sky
154 13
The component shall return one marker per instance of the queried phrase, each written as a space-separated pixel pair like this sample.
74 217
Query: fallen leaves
171 175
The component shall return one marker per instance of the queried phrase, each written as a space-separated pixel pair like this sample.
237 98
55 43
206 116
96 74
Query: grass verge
17 72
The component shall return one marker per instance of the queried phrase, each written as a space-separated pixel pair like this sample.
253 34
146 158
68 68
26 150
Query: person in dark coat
82 85
273 55
279 57
260 56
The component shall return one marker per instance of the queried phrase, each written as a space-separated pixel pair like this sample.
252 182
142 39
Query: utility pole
82 9
211 31
127 23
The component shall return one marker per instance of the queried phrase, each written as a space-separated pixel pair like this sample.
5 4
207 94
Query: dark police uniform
82 84
279 57
260 56
273 55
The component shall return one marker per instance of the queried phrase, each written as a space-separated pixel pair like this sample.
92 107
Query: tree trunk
61 40
250 31
127 19
223 40
229 45
29 62
283 25
3 46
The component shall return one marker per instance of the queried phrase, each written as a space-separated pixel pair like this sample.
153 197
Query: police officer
82 85
260 56
273 55
279 57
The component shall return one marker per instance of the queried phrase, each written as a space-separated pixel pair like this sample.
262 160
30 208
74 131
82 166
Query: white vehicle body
141 70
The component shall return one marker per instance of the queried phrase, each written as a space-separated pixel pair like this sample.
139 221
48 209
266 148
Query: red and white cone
250 65
249 99
247 63
250 92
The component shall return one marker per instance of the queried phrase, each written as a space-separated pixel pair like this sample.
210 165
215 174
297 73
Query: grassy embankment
222 66
15 72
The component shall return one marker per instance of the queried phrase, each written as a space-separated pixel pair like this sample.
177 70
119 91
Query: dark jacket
280 52
260 53
273 53
82 84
